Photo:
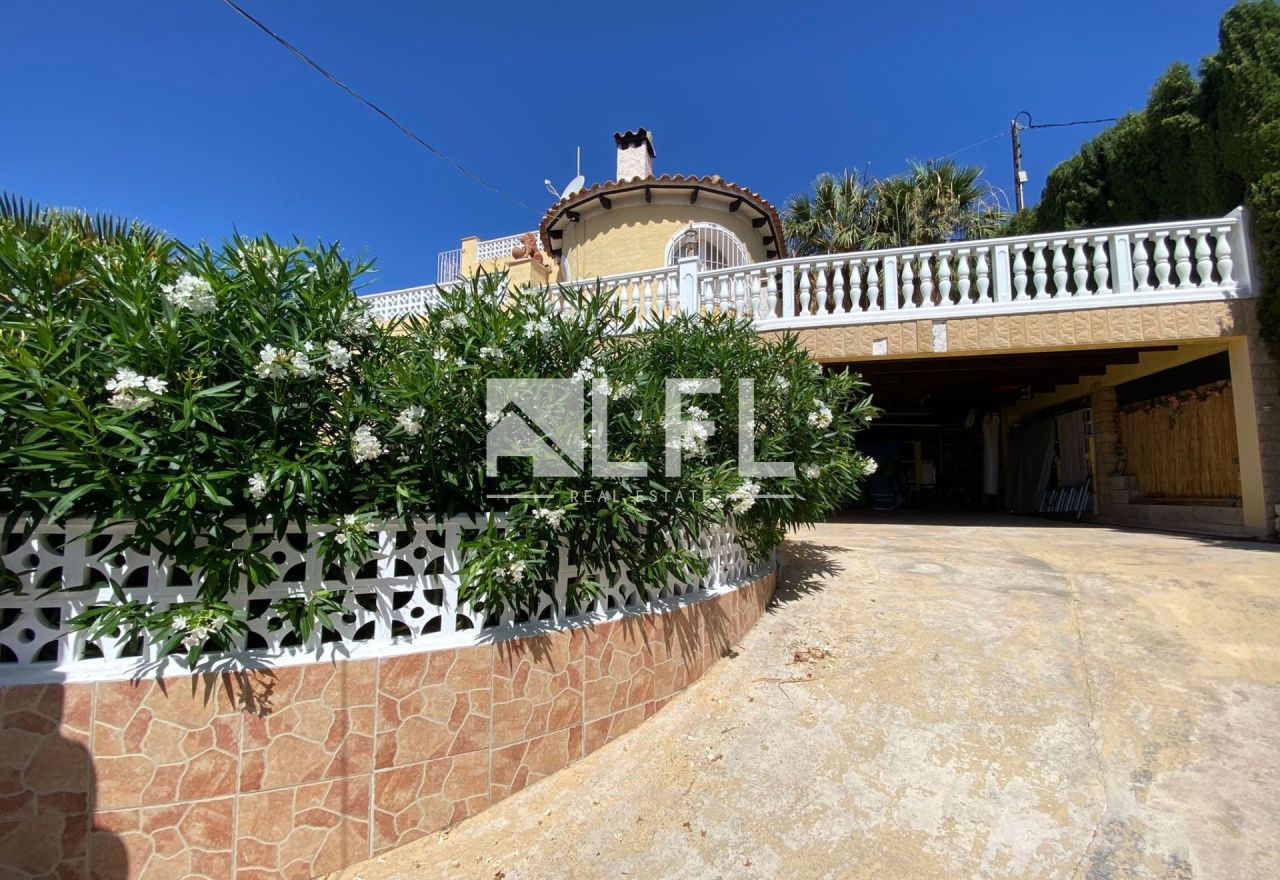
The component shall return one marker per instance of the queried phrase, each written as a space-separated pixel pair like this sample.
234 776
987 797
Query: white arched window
716 247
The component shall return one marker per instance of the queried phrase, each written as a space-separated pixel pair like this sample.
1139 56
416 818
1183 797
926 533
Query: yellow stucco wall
632 238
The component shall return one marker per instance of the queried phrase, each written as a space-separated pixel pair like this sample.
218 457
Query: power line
998 134
375 108
1029 123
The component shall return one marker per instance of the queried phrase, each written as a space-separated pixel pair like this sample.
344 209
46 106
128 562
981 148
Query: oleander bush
202 394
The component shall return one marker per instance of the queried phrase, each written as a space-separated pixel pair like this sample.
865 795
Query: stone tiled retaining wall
300 770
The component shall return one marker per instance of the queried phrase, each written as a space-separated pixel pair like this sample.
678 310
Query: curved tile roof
712 182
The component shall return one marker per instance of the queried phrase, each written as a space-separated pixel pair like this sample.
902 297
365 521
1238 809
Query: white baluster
1162 263
1141 266
873 288
726 294
740 294
1020 275
804 289
1080 266
1204 265
837 286
771 282
1060 268
1223 253
908 283
1039 277
855 286
984 275
822 297
962 269
926 281
944 278
1101 271
1182 257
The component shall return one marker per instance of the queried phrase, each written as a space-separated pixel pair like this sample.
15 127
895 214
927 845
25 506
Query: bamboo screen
1183 445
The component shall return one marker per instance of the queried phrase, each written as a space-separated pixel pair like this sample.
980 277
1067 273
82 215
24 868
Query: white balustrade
1121 266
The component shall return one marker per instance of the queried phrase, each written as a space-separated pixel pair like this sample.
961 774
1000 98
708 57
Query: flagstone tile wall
300 770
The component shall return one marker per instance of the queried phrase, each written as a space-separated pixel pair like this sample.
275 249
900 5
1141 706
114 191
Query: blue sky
180 113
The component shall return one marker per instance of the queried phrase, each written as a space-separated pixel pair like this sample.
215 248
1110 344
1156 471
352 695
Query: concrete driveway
994 697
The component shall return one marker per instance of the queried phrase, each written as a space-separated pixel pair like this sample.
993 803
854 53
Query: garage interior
1095 433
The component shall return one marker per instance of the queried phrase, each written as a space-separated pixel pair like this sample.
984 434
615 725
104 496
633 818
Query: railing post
787 293
1244 268
1122 263
687 270
1003 280
890 292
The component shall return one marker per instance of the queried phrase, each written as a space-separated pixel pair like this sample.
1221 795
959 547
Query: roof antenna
573 186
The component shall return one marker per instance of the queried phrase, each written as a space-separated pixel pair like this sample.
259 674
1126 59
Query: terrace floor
974 697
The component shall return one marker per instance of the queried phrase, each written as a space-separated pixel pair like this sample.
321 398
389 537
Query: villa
1115 373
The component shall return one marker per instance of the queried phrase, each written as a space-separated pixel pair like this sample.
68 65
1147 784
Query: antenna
579 171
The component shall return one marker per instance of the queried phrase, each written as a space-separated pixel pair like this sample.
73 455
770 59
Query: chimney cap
629 138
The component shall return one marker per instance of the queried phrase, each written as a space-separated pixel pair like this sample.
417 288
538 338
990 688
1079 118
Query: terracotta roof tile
676 181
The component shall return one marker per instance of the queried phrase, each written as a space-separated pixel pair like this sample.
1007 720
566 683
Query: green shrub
198 393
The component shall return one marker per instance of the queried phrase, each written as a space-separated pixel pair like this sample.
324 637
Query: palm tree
839 216
931 203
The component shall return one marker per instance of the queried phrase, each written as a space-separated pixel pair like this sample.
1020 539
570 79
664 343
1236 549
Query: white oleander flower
782 383
714 503
623 391
454 321
311 270
688 386
516 571
301 365
349 520
459 362
492 418
217 624
132 391
551 517
490 353
812 472
190 292
192 641
337 355
181 622
357 320
365 445
743 498
272 363
870 466
821 416
440 354
534 328
410 420
340 538
257 487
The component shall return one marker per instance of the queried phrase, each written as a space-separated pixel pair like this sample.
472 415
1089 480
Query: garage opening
945 440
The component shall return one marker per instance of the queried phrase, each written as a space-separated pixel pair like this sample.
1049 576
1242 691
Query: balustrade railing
1142 264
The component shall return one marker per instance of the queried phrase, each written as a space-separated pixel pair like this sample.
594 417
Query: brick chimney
635 154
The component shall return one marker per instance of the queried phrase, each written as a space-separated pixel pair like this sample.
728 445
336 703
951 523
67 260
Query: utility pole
1019 176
